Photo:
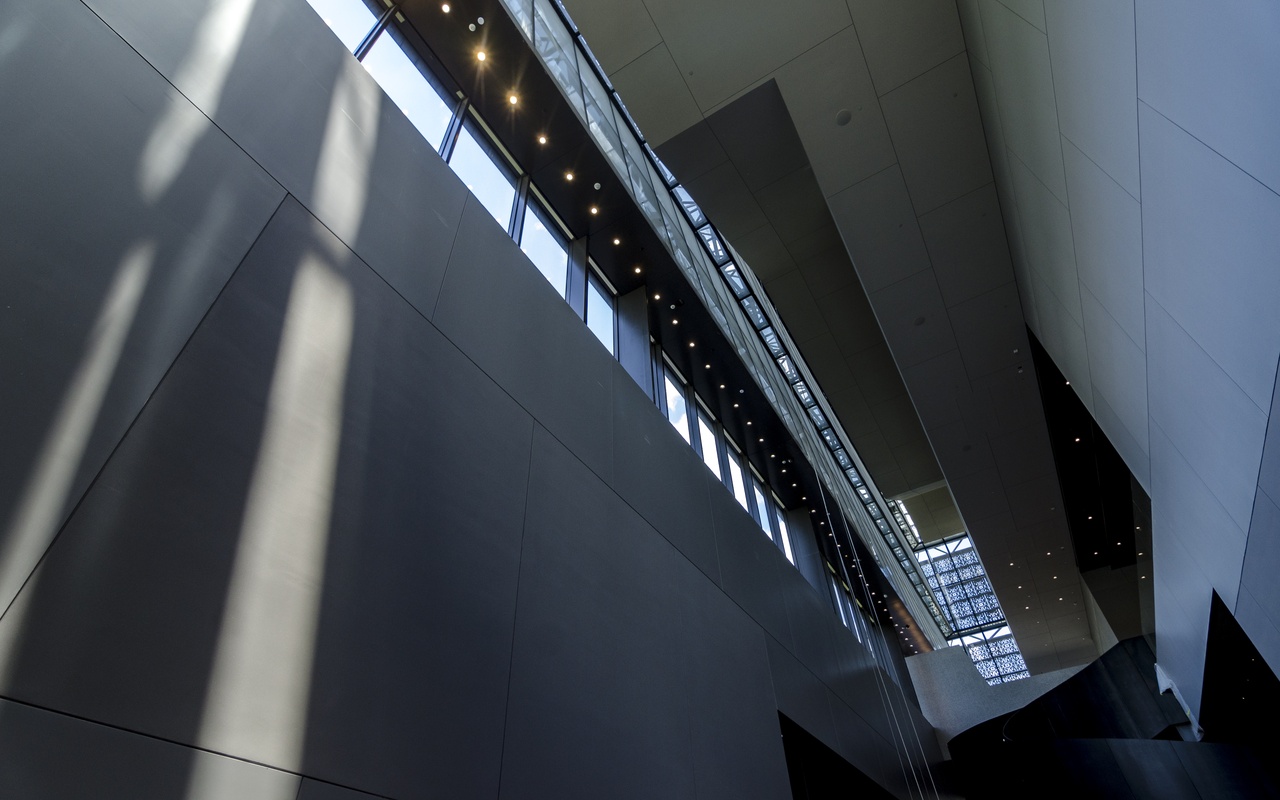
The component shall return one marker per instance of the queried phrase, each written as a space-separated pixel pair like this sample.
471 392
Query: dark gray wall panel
121 622
801 696
813 624
660 476
102 284
300 104
598 704
732 714
750 564
492 299
49 756
871 751
316 790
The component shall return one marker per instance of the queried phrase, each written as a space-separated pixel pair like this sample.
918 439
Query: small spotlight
568 176
722 386
616 241
657 297
445 8
480 55
513 99
637 270
708 366
691 344
595 210
542 140
675 322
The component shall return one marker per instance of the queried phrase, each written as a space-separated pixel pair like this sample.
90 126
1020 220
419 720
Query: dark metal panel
800 695
418 554
50 756
106 269
1151 769
660 476
634 352
492 299
597 704
750 564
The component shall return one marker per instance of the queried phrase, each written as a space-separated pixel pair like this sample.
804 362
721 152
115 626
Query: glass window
710 444
351 20
736 484
600 314
762 506
490 183
677 410
398 74
784 535
545 248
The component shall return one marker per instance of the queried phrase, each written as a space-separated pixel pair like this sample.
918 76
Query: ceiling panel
937 133
903 40
721 188
850 318
880 229
841 154
794 205
765 252
913 318
621 30
791 296
967 245
990 330
1049 241
827 270
657 98
723 45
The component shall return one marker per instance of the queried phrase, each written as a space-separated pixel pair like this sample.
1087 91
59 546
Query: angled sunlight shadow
202 77
256 702
39 513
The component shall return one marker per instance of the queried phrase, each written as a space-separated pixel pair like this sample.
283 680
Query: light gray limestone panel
1259 624
1117 368
1262 555
1095 81
1046 224
105 276
1209 418
1210 238
1225 94
1024 85
1106 226
49 756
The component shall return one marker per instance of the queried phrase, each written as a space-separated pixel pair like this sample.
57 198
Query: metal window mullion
371 38
515 226
454 128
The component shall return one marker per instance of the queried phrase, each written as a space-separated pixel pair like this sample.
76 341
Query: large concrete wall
1134 149
313 486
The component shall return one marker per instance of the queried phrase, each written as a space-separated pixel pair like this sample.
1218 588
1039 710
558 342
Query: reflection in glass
490 183
544 248
351 20
736 484
783 534
762 507
404 83
710 449
600 313
677 411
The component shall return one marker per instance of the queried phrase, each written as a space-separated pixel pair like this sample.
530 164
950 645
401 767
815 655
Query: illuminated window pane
398 75
491 184
736 484
783 534
546 250
351 20
600 316
677 409
762 507
710 450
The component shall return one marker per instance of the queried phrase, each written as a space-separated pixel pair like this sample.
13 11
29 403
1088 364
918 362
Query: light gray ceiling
908 185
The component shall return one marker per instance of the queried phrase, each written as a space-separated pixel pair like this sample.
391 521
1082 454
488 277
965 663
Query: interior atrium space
598 399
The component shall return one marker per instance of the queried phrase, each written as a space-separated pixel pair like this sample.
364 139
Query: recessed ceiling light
480 55
735 405
1077 438
657 297
675 322
595 210
748 422
513 99
616 241
708 366
542 140
1068 383
722 386
691 344
445 8
637 270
